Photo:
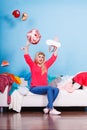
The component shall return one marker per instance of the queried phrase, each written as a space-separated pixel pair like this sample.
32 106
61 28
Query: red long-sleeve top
39 79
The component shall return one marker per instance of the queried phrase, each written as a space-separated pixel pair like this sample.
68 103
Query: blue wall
65 19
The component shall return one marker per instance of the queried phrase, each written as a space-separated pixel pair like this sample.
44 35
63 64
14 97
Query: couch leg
1 109
86 109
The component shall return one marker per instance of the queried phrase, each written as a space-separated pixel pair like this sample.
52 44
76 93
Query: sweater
37 78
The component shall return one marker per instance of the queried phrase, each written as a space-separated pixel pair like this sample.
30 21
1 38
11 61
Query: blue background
66 19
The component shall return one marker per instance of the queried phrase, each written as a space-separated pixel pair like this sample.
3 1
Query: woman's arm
55 51
27 57
55 48
51 60
26 48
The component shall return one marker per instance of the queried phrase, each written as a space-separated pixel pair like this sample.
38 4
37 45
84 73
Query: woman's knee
56 90
50 88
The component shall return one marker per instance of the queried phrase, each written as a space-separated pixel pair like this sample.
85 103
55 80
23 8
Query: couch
78 98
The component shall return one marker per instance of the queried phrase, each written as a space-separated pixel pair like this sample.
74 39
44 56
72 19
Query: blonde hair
43 67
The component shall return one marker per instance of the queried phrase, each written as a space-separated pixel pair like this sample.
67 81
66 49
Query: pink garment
39 79
5 80
67 86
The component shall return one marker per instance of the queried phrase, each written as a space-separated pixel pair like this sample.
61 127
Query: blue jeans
51 92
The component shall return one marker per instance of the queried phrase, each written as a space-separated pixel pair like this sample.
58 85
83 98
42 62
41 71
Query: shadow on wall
8 19
12 22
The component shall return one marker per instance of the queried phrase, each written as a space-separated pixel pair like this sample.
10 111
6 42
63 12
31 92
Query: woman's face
40 59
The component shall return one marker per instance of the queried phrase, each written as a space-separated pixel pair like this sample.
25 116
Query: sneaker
54 112
46 110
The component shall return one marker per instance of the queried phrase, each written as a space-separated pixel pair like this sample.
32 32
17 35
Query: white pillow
23 90
85 88
23 87
23 82
76 86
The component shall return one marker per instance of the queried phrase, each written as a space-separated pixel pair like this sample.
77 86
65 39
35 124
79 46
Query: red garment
39 79
5 80
81 78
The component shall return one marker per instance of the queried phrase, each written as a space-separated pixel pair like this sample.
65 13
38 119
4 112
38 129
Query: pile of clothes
7 79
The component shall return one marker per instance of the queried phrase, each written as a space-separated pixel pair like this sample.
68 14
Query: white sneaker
46 110
54 112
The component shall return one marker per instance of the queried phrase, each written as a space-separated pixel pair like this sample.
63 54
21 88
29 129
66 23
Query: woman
39 81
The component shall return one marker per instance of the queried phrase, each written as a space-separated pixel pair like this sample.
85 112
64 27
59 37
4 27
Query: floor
36 120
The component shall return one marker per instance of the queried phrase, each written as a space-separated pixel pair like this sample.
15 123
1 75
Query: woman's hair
43 65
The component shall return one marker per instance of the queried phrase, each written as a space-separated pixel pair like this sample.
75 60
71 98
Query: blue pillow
51 78
14 86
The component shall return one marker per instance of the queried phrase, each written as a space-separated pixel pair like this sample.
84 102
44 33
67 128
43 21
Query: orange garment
14 78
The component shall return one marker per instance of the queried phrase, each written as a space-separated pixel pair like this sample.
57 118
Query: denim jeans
51 92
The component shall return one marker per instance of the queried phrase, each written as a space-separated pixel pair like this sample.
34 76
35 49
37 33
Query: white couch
64 99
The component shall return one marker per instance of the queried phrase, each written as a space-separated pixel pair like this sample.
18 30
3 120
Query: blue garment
51 92
51 78
13 88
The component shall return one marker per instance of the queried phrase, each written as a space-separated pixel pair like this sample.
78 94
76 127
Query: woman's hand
26 47
55 51
53 48
28 43
56 48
